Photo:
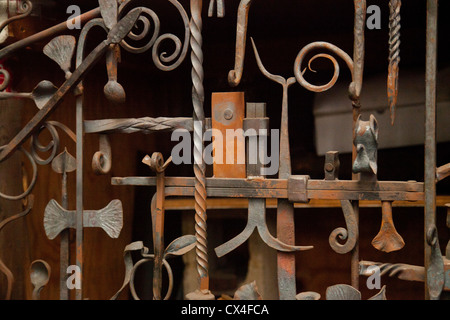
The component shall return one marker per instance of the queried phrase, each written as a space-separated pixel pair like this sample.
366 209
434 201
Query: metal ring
142 261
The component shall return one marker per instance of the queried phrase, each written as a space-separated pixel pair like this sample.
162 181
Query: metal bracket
298 189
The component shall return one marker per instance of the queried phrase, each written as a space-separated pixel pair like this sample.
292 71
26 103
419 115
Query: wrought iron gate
246 180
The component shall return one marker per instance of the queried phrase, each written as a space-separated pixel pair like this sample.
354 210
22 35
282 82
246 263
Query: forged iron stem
235 75
354 93
156 163
285 209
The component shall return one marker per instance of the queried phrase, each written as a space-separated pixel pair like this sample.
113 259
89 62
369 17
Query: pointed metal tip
124 26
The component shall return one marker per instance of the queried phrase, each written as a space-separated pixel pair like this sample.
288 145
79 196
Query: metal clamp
298 189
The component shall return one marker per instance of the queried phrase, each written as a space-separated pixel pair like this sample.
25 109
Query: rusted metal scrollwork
162 60
23 9
136 29
3 268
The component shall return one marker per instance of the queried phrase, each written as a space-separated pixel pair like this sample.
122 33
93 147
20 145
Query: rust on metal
228 112
235 75
238 180
394 55
388 239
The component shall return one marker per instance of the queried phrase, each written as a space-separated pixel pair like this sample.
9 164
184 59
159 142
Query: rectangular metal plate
227 119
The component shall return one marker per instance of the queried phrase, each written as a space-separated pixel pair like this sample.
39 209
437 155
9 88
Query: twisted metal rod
198 97
394 55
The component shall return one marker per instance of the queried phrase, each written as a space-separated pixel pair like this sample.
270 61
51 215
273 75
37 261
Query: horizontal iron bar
188 203
144 125
278 188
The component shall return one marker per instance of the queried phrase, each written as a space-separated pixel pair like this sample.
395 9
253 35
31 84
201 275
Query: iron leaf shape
64 162
180 246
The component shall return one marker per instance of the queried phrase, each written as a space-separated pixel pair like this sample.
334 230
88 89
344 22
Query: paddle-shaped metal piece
113 90
39 275
61 50
388 239
115 36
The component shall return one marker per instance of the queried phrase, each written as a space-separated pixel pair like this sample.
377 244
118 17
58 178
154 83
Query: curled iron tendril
162 60
53 145
327 46
3 268
30 185
349 235
35 159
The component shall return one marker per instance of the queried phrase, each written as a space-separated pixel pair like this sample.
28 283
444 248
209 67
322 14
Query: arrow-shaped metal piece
57 219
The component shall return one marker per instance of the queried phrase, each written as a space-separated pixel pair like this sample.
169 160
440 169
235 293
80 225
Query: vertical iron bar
79 193
355 93
285 211
64 245
430 127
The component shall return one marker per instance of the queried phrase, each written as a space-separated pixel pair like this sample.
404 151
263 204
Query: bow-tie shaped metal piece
110 219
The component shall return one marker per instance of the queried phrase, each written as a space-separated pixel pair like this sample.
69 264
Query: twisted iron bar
144 125
394 55
390 269
198 97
